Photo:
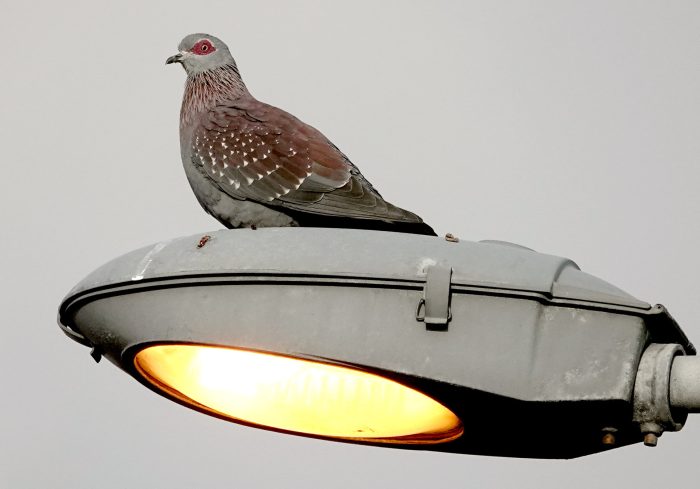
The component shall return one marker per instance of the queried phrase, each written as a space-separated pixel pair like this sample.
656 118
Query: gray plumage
254 165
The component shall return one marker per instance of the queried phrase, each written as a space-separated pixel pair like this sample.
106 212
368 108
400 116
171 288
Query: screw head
608 439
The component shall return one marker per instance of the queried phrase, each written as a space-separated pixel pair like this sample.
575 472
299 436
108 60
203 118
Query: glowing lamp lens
297 395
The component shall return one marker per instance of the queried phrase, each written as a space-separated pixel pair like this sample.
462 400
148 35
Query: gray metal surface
685 384
355 253
652 406
528 333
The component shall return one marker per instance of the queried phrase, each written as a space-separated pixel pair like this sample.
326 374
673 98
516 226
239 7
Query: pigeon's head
200 53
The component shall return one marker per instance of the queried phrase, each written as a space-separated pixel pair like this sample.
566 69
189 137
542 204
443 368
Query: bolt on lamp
391 339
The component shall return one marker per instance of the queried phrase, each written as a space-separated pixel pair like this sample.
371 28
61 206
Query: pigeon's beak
174 59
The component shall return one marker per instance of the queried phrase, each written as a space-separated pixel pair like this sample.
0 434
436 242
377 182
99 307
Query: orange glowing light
297 395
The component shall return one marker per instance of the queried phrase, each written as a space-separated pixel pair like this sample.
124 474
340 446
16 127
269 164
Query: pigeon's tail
410 227
320 221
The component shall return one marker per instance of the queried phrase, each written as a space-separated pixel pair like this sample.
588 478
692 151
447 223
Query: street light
391 339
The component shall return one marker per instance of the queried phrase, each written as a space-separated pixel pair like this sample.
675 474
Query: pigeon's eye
203 47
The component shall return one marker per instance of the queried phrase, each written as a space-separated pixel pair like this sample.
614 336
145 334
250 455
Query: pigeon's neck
206 89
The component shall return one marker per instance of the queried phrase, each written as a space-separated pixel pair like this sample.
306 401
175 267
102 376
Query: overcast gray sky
569 127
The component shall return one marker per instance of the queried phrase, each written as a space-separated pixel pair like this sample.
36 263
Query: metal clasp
434 307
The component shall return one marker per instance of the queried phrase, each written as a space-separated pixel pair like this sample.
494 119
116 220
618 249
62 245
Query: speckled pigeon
254 165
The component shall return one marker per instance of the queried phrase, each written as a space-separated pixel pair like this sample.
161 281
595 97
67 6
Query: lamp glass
297 395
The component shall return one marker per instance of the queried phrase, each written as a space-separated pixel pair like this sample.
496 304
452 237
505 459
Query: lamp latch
434 307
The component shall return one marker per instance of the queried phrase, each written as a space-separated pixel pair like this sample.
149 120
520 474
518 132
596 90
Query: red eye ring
203 47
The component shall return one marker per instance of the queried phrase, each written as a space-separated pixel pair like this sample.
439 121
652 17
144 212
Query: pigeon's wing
253 151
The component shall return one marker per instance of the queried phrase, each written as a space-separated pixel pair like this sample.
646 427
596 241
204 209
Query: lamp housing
512 352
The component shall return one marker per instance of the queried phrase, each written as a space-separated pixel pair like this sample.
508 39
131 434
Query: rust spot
451 238
203 240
